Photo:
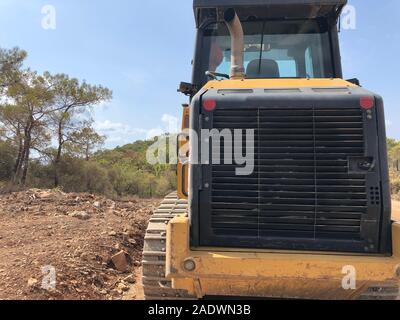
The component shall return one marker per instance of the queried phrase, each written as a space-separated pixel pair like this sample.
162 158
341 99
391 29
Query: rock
32 282
120 261
110 204
122 287
45 194
82 215
96 204
112 233
132 241
130 279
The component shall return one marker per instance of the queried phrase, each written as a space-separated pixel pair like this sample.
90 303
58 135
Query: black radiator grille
301 186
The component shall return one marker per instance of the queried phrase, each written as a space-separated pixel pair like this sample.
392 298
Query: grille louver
301 186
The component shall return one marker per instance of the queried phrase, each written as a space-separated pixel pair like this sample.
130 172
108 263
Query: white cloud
154 133
109 127
103 106
117 132
137 78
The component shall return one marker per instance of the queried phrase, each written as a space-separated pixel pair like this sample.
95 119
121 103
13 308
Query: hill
119 172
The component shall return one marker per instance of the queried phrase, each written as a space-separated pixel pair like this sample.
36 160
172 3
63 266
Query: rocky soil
396 210
62 246
57 246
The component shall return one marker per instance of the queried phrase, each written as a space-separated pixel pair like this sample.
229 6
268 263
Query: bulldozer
311 219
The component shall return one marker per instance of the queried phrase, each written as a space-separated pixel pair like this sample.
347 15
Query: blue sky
143 49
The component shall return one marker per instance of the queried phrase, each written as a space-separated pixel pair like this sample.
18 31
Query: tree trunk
87 152
19 155
20 149
24 163
56 168
58 157
26 159
18 161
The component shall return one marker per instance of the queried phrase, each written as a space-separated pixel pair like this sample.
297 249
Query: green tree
394 153
10 63
85 142
71 100
32 98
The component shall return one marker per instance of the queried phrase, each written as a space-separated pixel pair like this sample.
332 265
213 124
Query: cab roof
270 9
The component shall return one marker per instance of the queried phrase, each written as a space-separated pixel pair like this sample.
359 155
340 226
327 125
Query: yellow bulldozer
283 185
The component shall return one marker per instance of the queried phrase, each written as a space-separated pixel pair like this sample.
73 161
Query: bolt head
189 265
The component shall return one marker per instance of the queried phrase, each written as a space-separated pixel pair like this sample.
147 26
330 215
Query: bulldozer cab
282 39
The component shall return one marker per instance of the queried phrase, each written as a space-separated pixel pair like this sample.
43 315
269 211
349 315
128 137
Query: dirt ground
396 210
90 246
61 246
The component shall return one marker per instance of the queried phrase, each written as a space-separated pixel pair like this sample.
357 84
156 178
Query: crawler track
155 285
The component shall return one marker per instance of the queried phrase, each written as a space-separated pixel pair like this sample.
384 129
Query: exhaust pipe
237 44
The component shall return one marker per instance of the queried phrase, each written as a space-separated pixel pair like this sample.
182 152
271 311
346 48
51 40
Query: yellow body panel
277 83
183 169
307 275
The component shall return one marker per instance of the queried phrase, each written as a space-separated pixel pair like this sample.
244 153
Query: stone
32 282
120 261
82 215
122 287
130 279
96 204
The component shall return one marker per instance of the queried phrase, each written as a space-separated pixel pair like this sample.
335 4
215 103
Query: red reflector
209 105
367 102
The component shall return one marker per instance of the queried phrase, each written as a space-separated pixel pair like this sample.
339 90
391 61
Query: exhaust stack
237 44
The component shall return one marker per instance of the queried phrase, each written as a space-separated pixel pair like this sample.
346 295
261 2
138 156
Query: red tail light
367 102
209 105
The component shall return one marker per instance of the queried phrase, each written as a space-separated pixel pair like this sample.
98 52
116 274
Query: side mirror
188 89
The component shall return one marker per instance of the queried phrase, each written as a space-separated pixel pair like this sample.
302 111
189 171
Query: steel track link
155 285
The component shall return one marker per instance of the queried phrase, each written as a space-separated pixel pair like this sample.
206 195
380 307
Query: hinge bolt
189 265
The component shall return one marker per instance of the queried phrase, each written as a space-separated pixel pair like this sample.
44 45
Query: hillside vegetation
120 172
394 165
48 140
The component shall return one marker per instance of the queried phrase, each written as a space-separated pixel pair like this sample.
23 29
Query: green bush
96 179
8 154
121 172
395 182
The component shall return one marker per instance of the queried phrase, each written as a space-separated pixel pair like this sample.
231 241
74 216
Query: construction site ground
59 246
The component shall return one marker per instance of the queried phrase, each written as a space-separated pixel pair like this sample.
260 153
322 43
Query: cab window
273 49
